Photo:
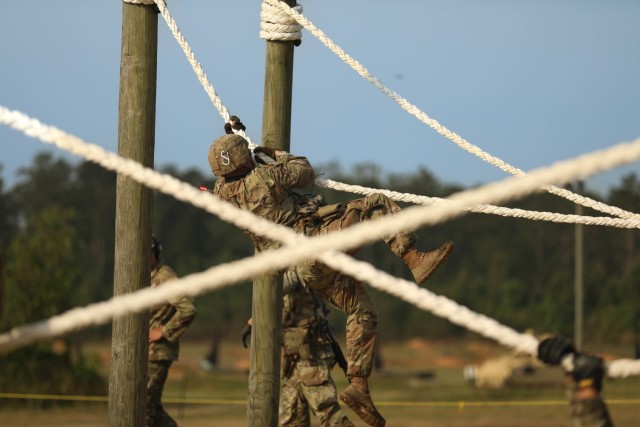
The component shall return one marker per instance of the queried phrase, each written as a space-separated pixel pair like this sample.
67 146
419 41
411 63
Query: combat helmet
229 156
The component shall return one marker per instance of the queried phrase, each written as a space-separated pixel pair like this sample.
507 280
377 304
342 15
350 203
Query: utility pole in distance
579 276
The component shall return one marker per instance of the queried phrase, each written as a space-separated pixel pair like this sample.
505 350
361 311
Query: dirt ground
219 416
421 386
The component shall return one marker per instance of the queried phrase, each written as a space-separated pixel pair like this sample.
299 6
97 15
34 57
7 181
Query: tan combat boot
424 264
357 397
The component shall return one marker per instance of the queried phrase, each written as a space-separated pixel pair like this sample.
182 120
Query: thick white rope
143 2
486 209
197 68
218 104
275 24
434 124
298 247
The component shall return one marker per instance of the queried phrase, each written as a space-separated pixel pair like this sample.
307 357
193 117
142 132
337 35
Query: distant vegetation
57 242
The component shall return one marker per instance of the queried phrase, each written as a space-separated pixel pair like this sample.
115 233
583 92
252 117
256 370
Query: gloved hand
260 152
246 333
234 123
553 349
271 152
588 371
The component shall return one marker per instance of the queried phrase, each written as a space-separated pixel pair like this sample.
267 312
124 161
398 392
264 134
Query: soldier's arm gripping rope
586 373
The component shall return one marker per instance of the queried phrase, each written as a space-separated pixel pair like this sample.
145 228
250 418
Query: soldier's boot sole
361 404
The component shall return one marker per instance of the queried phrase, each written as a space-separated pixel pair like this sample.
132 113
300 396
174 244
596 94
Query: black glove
588 371
271 152
553 349
246 333
234 123
268 151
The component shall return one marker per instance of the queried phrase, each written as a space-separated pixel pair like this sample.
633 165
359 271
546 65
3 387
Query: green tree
93 196
48 180
42 273
42 268
7 216
4 236
627 196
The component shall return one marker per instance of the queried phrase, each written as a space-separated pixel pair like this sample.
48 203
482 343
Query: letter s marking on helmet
225 157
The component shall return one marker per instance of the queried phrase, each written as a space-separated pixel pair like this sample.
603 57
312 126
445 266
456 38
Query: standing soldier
267 192
167 323
310 351
587 407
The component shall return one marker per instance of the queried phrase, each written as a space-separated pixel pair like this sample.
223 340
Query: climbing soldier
167 323
587 407
309 353
267 192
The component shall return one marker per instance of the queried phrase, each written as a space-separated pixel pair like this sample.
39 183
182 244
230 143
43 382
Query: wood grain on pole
136 124
579 274
266 336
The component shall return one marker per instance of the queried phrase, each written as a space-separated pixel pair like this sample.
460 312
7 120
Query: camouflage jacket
267 191
300 321
173 317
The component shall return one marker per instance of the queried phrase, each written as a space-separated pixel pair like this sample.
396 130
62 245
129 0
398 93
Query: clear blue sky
531 82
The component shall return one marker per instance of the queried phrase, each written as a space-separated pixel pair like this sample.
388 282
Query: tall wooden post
1 281
579 276
264 373
136 133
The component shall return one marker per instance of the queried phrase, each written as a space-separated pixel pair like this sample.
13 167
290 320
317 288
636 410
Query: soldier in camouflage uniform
587 407
167 323
307 360
267 192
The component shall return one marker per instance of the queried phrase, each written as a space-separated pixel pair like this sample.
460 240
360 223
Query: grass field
421 384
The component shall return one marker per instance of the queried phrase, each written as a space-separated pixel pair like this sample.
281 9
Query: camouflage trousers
310 388
345 293
590 413
351 297
157 376
336 217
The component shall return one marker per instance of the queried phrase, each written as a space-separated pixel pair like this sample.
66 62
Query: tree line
57 252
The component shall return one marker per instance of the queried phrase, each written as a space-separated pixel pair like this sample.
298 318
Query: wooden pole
1 281
136 124
579 275
264 371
